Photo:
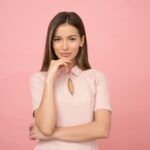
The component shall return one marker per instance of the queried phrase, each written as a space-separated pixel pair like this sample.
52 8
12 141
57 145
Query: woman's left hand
35 133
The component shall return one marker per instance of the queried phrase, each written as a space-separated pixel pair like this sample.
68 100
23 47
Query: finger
30 128
32 136
30 133
66 66
62 63
31 125
66 60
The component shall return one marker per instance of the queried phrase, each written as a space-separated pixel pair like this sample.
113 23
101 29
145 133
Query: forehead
66 30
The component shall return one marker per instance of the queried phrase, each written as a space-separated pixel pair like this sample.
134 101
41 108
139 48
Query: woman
70 99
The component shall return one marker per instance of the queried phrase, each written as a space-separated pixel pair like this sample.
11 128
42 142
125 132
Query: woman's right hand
56 66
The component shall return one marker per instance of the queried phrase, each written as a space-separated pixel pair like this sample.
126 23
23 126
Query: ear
82 40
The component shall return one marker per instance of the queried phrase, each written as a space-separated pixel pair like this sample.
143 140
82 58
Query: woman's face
66 42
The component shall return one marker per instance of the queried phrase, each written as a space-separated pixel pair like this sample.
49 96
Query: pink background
118 34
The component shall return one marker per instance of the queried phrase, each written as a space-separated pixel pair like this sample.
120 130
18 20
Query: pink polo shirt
90 94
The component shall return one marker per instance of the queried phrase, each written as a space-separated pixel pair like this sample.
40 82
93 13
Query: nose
64 45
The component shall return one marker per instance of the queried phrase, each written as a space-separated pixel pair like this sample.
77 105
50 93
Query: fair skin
67 39
97 129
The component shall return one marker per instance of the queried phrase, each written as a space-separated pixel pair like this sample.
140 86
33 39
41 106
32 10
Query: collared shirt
90 94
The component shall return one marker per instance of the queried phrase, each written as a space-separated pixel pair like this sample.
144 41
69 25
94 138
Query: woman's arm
45 115
79 133
99 128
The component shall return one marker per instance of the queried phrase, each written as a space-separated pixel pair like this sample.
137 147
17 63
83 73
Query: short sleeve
36 87
102 92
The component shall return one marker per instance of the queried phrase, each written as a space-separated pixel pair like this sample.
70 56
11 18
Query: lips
65 54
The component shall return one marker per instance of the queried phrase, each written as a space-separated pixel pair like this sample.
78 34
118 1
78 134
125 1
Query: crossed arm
99 128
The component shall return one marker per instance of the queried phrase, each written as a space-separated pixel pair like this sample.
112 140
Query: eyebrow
68 36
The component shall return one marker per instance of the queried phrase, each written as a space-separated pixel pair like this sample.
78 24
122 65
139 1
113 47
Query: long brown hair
73 19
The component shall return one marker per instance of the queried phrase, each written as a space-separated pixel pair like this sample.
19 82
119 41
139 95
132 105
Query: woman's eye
56 39
72 39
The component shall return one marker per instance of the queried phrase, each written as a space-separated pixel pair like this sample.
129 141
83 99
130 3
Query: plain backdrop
118 34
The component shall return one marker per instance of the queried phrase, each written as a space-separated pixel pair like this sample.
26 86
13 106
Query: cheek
56 48
75 51
74 46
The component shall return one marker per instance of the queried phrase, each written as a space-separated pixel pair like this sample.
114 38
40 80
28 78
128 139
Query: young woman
70 99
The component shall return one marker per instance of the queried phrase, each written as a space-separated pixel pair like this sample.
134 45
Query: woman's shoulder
38 76
94 77
94 72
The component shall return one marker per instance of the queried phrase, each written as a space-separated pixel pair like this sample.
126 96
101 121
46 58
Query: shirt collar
75 70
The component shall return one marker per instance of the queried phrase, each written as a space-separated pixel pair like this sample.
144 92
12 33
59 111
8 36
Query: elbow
45 126
103 132
106 134
46 132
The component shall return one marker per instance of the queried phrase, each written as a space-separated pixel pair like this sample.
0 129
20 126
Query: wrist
49 81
